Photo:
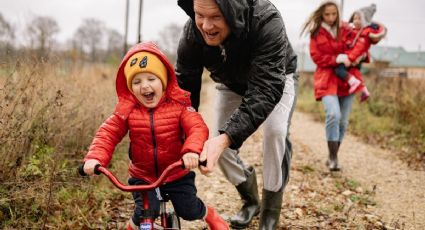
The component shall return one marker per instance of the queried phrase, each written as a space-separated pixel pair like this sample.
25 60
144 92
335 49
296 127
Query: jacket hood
235 12
173 91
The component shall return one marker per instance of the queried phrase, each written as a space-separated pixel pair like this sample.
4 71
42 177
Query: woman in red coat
163 128
326 45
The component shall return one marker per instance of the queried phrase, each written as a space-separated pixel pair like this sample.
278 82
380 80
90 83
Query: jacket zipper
223 52
155 150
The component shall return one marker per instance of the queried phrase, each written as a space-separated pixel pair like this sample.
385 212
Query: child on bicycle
163 128
363 34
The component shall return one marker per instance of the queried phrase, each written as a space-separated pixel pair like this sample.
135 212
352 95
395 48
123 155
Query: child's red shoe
364 95
354 84
214 221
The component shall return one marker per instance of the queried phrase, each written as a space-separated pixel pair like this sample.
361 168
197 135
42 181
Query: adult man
243 44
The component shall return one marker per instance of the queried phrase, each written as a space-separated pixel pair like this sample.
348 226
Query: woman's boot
248 192
271 204
332 162
214 221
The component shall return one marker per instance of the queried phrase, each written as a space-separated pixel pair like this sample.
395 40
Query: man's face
210 22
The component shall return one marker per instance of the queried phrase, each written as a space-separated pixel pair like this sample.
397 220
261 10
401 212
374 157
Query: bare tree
7 35
169 40
41 31
114 44
89 37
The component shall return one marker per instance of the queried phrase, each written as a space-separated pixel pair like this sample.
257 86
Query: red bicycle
169 219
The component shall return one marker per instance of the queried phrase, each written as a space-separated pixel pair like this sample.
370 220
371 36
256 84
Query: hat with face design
145 62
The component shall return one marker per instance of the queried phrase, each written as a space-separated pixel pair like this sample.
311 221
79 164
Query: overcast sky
405 19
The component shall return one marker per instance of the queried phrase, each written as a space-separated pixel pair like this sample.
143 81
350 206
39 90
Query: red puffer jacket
358 41
159 136
323 50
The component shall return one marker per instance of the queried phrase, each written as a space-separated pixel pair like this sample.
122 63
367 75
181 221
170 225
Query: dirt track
374 190
399 191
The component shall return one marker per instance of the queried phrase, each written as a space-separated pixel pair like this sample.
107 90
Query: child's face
330 14
357 21
147 88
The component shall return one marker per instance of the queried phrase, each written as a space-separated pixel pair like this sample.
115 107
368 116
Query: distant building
397 62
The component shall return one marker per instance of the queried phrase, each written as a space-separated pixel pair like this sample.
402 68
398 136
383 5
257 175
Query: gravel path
399 191
374 189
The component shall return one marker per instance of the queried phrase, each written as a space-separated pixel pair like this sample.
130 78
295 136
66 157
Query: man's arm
270 53
189 65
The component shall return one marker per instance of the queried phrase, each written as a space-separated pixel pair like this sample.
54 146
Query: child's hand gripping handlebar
135 188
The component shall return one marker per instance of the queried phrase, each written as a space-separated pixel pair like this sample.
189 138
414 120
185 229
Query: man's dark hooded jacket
252 61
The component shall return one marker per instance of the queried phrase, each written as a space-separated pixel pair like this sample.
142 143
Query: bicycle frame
146 222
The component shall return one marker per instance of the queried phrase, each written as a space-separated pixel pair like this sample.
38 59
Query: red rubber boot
214 221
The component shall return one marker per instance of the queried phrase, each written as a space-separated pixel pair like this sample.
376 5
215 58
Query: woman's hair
352 16
315 20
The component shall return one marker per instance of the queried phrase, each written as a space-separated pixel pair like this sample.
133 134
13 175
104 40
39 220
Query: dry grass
46 104
49 113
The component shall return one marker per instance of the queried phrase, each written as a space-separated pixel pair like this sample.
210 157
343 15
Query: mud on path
373 191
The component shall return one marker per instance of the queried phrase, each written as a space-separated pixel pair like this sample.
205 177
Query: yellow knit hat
145 62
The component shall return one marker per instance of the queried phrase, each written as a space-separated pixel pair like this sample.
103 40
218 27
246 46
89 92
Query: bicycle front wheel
173 221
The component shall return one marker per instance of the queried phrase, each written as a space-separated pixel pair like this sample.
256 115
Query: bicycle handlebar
135 188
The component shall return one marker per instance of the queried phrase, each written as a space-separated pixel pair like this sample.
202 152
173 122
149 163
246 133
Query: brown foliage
50 104
49 112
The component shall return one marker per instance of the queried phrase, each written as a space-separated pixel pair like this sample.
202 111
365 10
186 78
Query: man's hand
190 160
213 148
89 166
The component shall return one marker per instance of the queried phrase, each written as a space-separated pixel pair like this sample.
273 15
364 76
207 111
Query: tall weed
49 112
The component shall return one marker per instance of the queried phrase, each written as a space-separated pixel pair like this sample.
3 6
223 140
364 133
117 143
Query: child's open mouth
149 96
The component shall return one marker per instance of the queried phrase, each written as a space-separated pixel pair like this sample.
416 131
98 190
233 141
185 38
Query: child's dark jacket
159 136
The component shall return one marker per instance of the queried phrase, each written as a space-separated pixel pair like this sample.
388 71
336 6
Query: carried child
163 128
363 34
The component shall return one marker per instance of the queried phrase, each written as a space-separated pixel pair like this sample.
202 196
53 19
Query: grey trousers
277 149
